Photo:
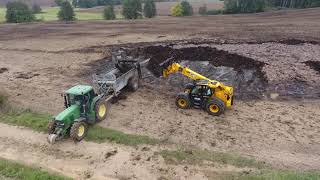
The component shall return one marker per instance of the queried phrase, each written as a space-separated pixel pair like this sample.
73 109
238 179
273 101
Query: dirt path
80 161
86 160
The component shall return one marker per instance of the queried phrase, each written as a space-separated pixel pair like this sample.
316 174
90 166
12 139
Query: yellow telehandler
211 95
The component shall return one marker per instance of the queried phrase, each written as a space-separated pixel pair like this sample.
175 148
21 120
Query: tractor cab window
91 94
75 99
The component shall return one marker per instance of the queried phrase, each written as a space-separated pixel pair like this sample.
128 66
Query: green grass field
2 14
50 14
14 170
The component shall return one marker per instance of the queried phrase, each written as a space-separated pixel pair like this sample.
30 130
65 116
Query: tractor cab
80 95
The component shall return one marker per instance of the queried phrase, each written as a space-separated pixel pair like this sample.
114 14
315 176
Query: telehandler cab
211 95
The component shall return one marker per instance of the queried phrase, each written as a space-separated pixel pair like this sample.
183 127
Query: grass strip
100 134
39 122
276 175
14 170
197 157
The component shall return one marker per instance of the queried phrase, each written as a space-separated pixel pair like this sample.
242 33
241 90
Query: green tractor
82 107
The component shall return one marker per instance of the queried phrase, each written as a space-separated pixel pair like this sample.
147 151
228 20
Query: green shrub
132 9
182 9
66 12
3 99
108 13
214 12
149 9
186 8
18 12
203 10
177 10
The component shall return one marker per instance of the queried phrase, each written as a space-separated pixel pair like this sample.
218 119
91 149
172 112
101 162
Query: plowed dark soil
159 54
314 65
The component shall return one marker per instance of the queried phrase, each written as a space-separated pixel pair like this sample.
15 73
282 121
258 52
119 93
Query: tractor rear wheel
51 126
183 101
101 110
215 107
78 131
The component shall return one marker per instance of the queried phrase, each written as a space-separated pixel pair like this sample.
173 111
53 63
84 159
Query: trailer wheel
51 126
78 131
133 83
101 109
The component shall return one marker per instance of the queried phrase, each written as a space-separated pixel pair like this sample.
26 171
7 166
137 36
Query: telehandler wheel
133 83
215 107
51 126
101 110
78 131
183 101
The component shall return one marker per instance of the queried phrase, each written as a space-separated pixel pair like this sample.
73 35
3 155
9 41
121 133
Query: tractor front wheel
101 110
215 107
183 101
78 131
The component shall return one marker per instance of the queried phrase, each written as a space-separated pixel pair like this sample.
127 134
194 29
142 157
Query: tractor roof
79 90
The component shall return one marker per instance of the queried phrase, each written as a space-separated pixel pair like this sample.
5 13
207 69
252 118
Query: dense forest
249 6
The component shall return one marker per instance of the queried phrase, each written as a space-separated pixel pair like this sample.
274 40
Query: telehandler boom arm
175 67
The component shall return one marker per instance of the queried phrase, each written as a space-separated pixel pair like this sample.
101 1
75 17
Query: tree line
18 11
294 3
250 6
132 9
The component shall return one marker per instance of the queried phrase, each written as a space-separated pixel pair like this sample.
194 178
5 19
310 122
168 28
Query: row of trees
132 9
293 3
250 6
18 12
93 3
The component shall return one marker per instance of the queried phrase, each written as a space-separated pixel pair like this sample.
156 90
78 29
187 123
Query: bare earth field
40 60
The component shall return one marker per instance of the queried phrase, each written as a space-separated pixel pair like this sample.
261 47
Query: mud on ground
258 127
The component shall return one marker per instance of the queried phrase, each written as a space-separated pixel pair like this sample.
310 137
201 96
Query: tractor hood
71 113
